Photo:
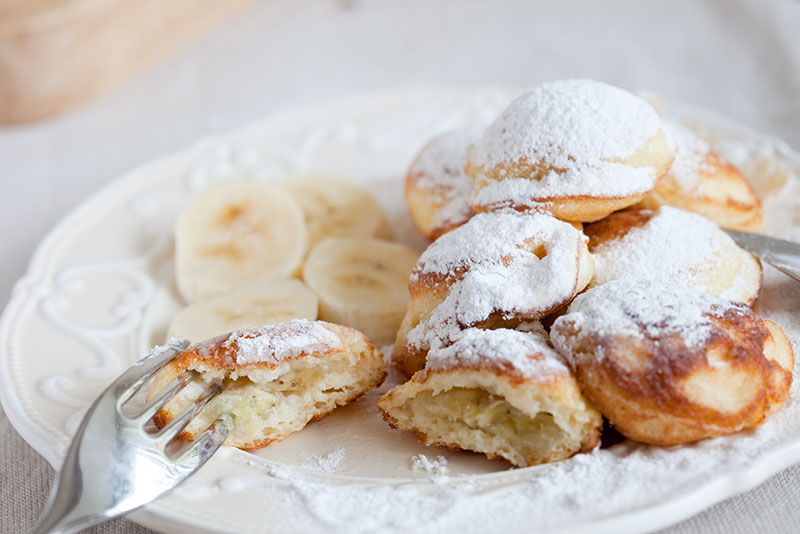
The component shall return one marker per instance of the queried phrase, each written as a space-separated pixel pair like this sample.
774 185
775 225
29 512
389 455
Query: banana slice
335 207
262 302
361 282
235 233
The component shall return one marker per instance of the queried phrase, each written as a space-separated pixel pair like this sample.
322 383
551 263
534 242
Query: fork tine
201 449
165 395
131 380
177 425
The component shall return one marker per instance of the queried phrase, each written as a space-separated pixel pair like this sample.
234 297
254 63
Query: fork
114 465
781 254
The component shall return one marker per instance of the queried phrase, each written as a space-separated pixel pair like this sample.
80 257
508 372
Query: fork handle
51 525
62 513
788 264
55 528
781 254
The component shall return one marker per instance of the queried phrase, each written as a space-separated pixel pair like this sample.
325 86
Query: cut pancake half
275 379
503 393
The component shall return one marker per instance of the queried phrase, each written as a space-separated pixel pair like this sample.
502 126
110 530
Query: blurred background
91 88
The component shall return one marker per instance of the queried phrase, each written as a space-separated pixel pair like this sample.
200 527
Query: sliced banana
335 207
361 282
262 302
235 233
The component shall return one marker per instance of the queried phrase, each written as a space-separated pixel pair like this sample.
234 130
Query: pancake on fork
275 378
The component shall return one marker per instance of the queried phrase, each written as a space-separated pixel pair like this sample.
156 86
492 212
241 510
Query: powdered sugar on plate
434 468
272 344
525 353
329 463
500 273
559 495
579 131
674 246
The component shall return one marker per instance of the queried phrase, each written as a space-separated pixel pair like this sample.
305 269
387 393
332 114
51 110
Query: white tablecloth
737 57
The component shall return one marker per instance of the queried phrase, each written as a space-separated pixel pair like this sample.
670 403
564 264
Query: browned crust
616 226
781 375
573 208
424 204
409 359
222 357
649 404
727 212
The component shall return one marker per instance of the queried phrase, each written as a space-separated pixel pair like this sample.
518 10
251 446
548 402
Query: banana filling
473 415
263 405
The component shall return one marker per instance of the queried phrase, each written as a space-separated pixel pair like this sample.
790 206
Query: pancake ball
673 246
437 188
669 365
496 270
503 393
579 149
702 181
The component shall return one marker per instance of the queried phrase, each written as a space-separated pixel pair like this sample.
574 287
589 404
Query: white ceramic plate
99 292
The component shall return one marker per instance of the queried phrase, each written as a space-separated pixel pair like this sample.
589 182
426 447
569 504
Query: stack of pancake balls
577 272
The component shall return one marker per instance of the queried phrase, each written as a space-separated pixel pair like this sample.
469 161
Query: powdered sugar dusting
690 157
330 463
434 468
673 246
439 168
534 194
641 309
499 275
490 237
526 353
581 129
551 496
272 344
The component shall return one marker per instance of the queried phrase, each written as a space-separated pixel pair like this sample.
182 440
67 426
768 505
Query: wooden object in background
56 54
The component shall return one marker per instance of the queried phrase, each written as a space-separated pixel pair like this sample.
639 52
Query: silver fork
114 465
781 254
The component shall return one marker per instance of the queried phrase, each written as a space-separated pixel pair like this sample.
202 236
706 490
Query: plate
99 292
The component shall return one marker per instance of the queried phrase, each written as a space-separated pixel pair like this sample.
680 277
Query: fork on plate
116 464
781 254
